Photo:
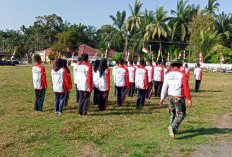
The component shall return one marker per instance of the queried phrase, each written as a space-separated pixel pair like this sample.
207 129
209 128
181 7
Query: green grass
116 132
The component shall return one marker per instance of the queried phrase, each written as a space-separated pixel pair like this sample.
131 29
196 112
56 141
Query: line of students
61 80
126 80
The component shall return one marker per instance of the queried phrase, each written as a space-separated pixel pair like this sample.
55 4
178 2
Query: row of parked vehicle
12 62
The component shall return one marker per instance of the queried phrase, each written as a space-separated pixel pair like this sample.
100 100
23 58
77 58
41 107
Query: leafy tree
107 37
183 15
223 23
119 20
134 21
203 36
214 56
158 27
117 56
51 56
212 6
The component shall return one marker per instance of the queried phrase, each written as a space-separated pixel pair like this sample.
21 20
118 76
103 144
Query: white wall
211 66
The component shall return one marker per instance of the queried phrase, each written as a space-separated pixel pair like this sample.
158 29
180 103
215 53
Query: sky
15 13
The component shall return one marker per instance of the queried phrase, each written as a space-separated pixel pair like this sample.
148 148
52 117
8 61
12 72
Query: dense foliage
187 27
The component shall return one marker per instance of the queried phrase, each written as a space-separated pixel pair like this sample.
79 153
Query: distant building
44 54
4 55
86 49
111 53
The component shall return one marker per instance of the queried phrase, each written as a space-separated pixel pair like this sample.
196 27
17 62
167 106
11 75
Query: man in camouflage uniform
177 85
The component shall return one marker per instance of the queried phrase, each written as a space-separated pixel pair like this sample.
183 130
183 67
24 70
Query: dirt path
224 147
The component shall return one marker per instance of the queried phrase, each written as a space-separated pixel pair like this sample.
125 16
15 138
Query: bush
117 56
226 52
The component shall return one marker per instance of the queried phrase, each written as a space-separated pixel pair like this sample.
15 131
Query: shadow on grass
204 131
134 112
204 91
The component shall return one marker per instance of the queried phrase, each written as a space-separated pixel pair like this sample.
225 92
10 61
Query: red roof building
111 53
86 49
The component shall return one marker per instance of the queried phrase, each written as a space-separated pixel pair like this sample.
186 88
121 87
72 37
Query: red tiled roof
111 53
48 50
86 49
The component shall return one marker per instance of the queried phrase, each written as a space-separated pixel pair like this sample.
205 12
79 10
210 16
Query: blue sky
15 13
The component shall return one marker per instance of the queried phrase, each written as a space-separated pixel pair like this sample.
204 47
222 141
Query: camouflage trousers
177 111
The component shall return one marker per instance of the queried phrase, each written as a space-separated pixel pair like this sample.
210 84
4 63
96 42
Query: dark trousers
66 97
158 86
141 98
103 100
39 99
197 85
115 90
149 90
83 102
96 96
59 102
131 90
121 95
77 94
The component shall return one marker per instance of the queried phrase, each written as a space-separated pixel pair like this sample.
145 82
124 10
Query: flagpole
161 55
150 50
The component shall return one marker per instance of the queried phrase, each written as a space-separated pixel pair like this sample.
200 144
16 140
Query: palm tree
210 43
134 21
147 18
119 23
223 24
159 27
119 20
183 15
212 6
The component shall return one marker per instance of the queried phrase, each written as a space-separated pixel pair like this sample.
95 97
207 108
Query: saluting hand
189 103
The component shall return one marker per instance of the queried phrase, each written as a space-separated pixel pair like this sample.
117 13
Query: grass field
116 132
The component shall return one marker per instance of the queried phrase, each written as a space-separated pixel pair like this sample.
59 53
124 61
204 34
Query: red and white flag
145 50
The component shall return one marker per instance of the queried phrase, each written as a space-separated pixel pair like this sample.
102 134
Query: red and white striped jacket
75 74
131 70
104 81
186 70
158 73
150 70
198 73
85 78
39 77
121 77
61 80
176 84
141 78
